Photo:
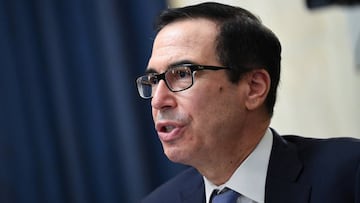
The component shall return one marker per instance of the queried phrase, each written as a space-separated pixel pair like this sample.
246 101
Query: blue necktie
229 196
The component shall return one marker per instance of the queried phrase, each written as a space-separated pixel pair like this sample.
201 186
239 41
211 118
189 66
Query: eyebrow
177 63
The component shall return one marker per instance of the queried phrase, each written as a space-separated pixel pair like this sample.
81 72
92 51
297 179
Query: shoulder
336 153
185 182
342 145
317 166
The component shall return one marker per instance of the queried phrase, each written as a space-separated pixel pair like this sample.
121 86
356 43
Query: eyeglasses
177 78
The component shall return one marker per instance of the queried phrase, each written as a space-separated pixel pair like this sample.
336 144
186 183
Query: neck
222 165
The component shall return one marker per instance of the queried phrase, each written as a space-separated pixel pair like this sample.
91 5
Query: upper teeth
169 128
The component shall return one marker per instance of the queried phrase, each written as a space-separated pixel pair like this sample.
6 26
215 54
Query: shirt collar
249 178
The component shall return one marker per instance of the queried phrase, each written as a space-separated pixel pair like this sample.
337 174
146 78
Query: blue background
72 127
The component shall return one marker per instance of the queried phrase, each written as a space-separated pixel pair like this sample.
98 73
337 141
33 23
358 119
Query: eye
152 79
181 73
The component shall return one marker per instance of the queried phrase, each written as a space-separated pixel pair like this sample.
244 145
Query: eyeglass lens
177 79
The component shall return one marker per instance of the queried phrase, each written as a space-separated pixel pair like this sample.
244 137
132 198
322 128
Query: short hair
243 42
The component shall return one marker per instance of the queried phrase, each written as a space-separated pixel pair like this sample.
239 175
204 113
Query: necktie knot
225 196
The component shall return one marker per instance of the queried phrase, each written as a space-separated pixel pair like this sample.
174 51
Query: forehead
191 40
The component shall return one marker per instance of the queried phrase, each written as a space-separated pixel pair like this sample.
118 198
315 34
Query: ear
259 86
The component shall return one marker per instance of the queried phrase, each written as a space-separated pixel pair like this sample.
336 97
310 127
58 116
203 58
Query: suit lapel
283 172
196 196
194 192
281 182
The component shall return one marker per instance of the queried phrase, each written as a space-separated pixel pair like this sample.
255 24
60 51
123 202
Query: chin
177 155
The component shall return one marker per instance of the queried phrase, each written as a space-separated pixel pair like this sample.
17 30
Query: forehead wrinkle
184 40
188 34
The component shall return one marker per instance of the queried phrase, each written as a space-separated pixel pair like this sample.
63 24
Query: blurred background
72 127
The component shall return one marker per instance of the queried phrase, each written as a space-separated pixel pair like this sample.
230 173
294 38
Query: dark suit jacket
300 170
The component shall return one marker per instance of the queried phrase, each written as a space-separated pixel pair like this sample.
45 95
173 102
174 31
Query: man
212 79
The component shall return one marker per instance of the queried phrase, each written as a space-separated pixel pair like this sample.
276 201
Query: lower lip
175 134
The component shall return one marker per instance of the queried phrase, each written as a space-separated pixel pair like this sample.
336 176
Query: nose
163 97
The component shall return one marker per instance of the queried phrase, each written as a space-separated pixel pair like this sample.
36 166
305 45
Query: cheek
217 109
211 99
207 106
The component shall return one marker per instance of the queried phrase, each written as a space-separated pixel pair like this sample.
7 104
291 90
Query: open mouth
167 129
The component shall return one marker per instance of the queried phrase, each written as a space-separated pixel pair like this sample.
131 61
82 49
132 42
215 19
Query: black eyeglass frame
193 69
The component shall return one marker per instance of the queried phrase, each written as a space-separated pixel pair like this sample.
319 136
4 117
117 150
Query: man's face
201 122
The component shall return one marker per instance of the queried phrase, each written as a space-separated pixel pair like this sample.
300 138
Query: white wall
319 94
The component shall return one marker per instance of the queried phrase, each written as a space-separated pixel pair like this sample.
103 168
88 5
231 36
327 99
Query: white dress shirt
249 179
